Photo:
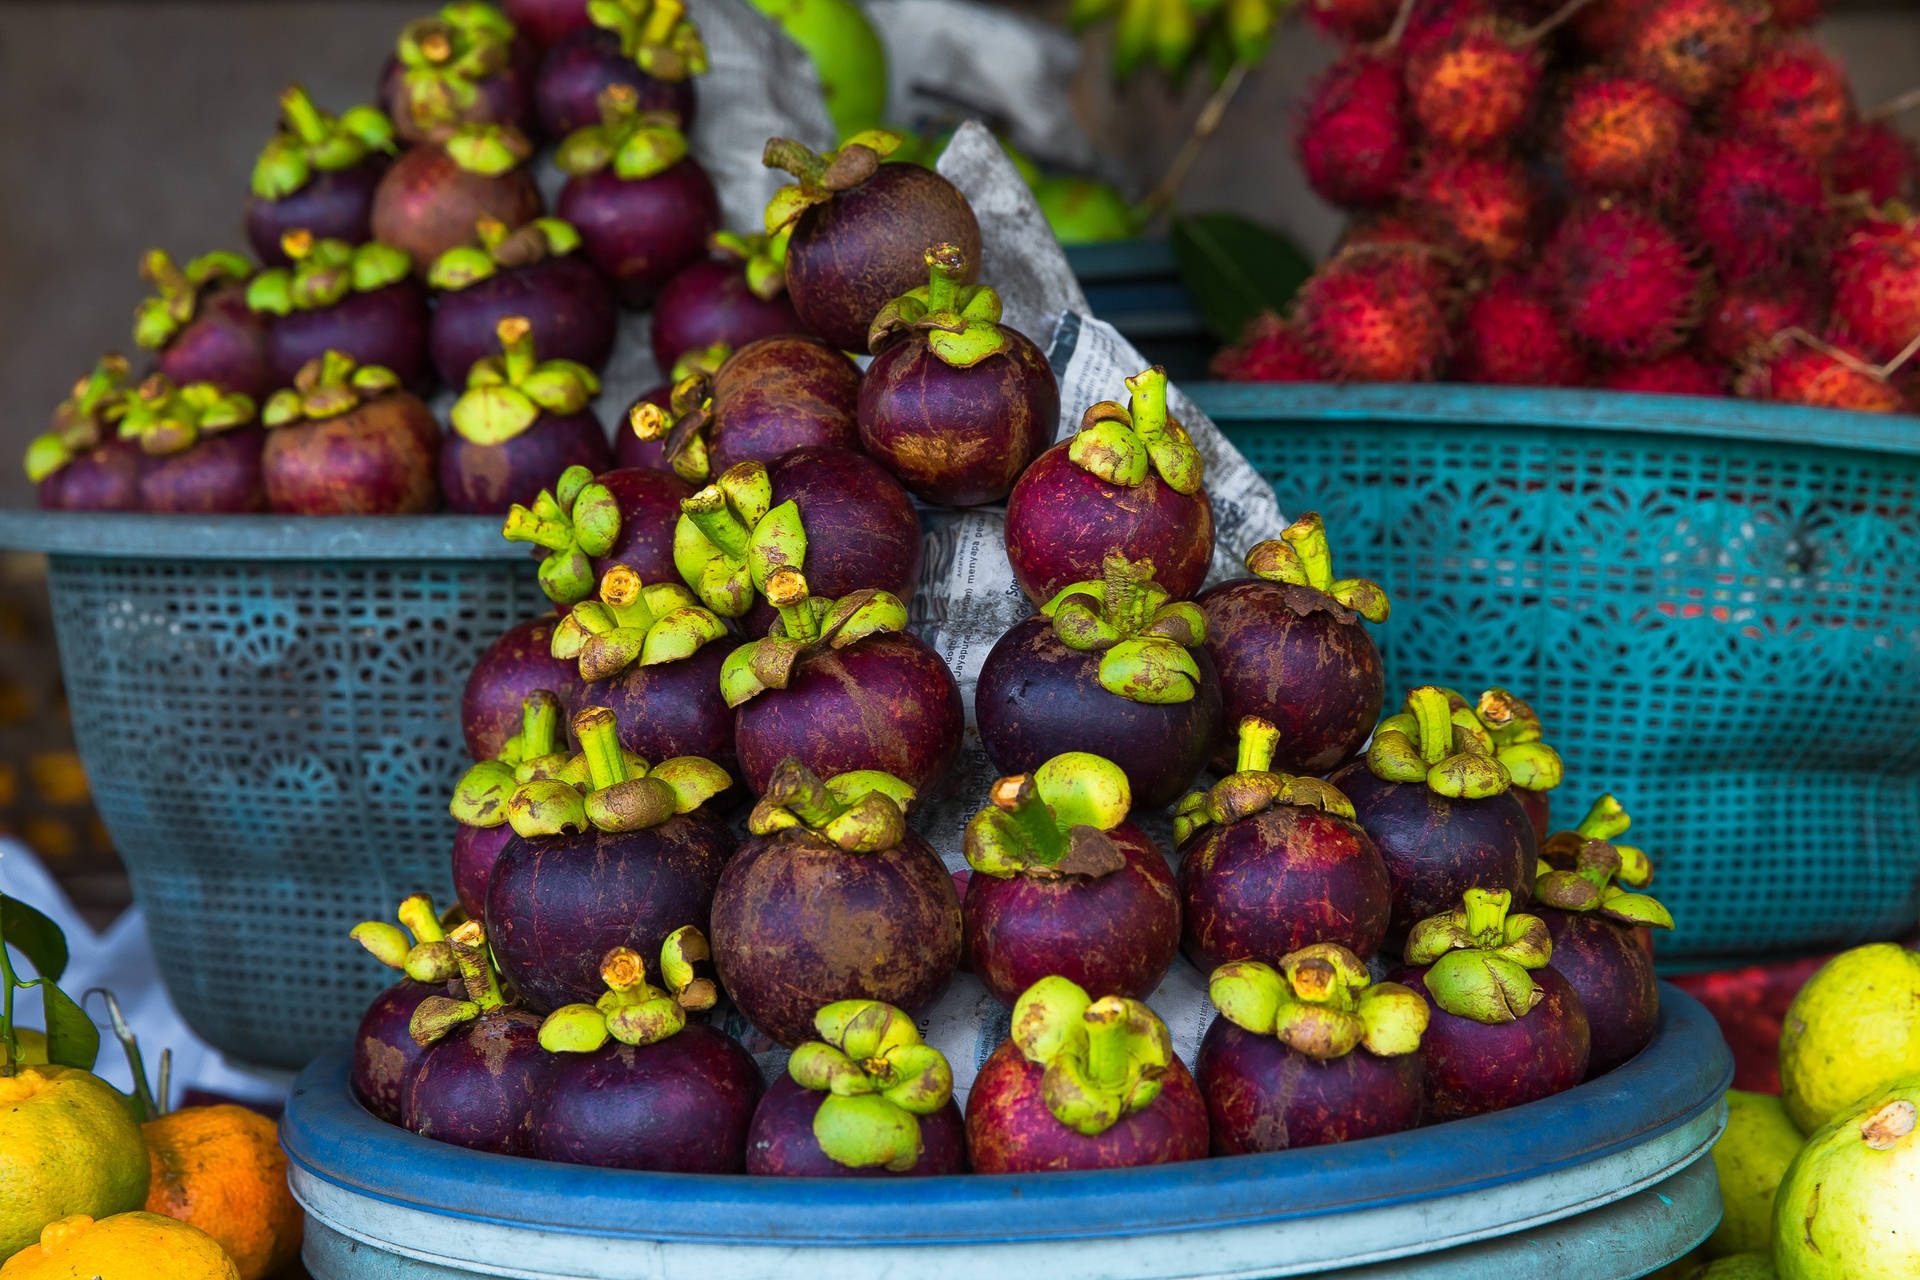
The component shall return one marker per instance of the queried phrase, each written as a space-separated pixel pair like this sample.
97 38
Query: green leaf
1235 269
35 937
72 1039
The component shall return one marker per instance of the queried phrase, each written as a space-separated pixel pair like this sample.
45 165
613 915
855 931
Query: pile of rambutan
1658 196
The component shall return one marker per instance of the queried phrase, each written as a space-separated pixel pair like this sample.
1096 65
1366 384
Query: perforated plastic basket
268 709
1715 605
1135 286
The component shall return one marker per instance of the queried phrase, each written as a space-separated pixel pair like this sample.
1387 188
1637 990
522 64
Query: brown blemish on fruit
1884 1129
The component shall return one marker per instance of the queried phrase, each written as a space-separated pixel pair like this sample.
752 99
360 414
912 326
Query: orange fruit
126 1246
68 1145
222 1170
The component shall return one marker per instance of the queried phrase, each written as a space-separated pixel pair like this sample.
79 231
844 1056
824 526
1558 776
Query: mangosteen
634 1084
858 230
648 46
652 440
653 655
456 67
868 1099
317 175
1110 665
608 853
80 463
586 525
433 196
357 299
1063 884
839 685
955 404
1438 804
773 397
832 898
514 667
831 511
532 271
1083 1084
1270 863
1127 484
202 447
643 206
735 295
1517 735
1309 1053
1290 649
521 422
1506 1027
198 326
347 440
543 23
384 1050
1599 931
538 752
477 1084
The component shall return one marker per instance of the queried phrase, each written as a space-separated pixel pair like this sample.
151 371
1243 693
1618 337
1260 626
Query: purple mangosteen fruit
650 439
955 404
1063 884
1271 863
1309 1053
432 197
1436 797
544 23
356 299
771 398
1597 929
80 463
868 1099
480 799
840 686
1290 649
347 440
317 175
458 66
608 853
1506 1028
586 525
199 327
521 423
634 1084
858 230
202 447
649 46
476 1086
514 667
1083 1084
1517 735
735 295
1110 665
643 206
832 898
384 1050
1127 484
532 271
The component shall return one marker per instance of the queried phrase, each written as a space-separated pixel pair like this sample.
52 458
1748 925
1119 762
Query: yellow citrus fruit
1853 1028
221 1169
127 1246
1761 1140
68 1145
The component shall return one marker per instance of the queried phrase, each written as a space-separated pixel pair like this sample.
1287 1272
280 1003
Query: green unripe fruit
846 53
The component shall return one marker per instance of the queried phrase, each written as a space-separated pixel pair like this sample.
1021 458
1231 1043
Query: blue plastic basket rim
141 536
1677 1079
1555 409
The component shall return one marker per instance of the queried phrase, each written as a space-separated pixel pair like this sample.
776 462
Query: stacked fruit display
1674 196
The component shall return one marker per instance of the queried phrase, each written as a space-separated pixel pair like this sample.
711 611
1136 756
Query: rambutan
1622 280
1510 336
1474 86
1352 20
1368 316
1796 95
1796 373
1749 315
1692 48
1754 204
1484 204
1270 349
1352 140
1679 374
1406 230
1876 161
1876 290
1620 134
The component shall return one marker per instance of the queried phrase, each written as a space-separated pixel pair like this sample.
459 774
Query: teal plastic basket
269 714
1135 286
1714 605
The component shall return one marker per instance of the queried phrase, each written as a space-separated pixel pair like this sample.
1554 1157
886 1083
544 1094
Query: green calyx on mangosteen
437 1017
506 394
634 1011
417 946
1444 746
1124 444
820 176
1102 1059
680 428
633 624
327 387
961 321
444 57
880 1077
537 752
315 141
80 421
1320 1002
1480 956
575 521
163 418
178 290
1582 870
499 248
488 149
1052 822
656 34
730 539
324 272
1300 557
1143 636
763 258
609 788
1253 787
863 811
634 144
805 623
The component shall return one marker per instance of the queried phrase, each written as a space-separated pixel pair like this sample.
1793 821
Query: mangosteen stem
524 526
947 273
1606 820
801 792
1020 800
476 966
664 16
794 157
600 743
1147 403
516 348
539 725
1126 586
1435 716
712 516
417 913
1106 1022
1487 912
787 592
1308 538
297 109
1258 741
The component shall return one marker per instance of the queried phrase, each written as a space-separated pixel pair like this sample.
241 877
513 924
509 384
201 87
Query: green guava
1085 210
1849 1206
1760 1141
1738 1266
1852 1028
846 53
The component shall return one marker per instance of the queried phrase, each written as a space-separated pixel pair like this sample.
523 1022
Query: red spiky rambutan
1874 160
1692 48
1473 87
1432 21
1680 374
1620 134
1270 349
1403 229
1368 316
1796 95
1749 315
1352 20
1876 290
1483 204
1623 282
1510 336
1796 13
1755 203
1352 140
1796 373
